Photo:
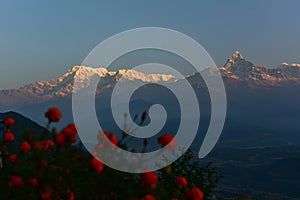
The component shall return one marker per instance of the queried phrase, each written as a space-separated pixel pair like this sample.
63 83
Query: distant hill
22 125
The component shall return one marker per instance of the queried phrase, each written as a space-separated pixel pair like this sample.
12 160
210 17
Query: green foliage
205 177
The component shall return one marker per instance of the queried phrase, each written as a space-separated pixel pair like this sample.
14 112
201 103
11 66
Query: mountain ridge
237 69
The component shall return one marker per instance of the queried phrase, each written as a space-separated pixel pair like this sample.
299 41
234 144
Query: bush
50 166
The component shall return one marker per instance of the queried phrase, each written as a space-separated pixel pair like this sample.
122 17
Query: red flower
53 114
167 139
9 121
96 165
148 197
60 140
73 127
46 195
38 146
13 158
194 194
47 144
15 181
8 136
71 195
68 132
25 147
73 139
181 182
34 182
148 180
112 138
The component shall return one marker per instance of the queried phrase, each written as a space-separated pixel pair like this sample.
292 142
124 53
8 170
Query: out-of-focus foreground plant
49 166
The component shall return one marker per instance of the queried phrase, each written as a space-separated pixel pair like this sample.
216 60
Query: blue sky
43 39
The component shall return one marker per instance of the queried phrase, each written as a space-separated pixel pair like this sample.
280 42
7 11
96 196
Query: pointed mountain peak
76 68
237 55
237 61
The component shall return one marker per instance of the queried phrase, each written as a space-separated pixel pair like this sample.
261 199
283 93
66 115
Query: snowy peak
83 73
285 64
128 74
237 55
238 68
64 85
83 76
237 61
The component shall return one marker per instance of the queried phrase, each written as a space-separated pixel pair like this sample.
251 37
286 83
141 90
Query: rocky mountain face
236 72
239 68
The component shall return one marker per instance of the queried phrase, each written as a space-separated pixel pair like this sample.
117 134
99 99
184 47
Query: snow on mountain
285 64
132 75
63 86
237 61
237 69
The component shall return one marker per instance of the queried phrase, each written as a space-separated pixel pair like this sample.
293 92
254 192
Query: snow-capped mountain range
63 86
236 69
239 68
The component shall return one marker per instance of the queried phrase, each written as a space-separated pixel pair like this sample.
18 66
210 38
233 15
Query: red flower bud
181 182
34 182
113 139
96 165
53 114
13 158
149 180
47 144
73 127
38 146
73 139
25 147
167 139
148 197
60 140
8 136
68 132
9 122
15 181
71 195
194 194
46 194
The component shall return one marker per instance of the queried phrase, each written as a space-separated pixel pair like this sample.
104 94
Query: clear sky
43 39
